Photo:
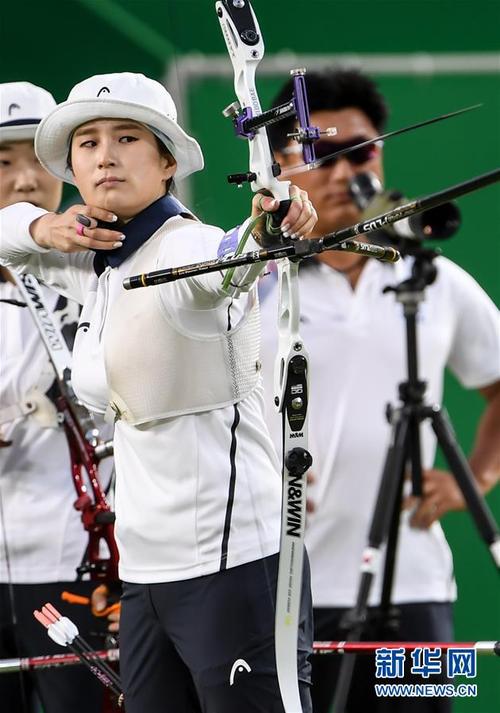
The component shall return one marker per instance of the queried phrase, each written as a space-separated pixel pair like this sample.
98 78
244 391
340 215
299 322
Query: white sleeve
475 351
70 274
198 243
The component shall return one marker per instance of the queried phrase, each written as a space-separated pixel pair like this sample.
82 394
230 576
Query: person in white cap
198 492
42 540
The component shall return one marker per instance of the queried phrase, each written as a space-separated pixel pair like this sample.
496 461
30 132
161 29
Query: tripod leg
390 484
413 455
480 512
390 557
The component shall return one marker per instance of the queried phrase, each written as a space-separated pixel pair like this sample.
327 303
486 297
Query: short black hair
332 89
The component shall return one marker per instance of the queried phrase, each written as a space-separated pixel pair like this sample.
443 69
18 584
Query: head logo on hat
123 95
22 106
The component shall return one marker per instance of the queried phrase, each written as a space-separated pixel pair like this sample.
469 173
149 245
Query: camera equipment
435 223
404 455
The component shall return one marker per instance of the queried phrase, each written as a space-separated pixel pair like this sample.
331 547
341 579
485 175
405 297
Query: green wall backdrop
56 43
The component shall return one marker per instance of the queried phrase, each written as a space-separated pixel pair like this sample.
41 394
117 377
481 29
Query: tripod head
423 273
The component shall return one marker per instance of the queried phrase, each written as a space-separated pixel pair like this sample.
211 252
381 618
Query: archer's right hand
62 231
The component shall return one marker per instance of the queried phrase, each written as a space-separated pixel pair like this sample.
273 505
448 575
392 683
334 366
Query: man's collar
138 230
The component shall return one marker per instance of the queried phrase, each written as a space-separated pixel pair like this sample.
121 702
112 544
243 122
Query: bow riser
82 435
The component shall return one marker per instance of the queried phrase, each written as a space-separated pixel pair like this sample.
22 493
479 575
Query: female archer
198 491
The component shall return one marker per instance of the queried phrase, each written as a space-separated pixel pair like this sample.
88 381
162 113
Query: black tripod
404 449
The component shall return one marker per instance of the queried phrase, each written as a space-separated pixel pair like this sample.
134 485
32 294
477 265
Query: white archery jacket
198 485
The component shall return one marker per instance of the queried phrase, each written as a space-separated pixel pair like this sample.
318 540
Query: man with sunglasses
355 337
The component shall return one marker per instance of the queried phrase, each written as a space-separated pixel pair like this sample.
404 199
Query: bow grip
272 236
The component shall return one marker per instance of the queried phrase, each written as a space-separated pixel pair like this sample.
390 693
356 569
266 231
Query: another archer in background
355 337
42 540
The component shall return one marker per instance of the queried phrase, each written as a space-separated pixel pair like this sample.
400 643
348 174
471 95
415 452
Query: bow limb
291 398
246 49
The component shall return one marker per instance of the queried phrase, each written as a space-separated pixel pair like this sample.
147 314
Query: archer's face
23 178
117 165
328 186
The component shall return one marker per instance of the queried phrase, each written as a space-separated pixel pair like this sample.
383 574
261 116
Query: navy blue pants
206 645
417 622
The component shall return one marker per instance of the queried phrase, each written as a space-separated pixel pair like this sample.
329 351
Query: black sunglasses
356 157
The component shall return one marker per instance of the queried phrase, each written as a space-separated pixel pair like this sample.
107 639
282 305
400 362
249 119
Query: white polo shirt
194 493
356 343
41 537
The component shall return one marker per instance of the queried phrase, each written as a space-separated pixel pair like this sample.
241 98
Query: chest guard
160 363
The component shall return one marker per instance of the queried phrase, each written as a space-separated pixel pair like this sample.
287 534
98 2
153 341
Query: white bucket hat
22 107
114 96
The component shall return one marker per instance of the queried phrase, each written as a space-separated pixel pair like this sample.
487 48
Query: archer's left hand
300 219
440 494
